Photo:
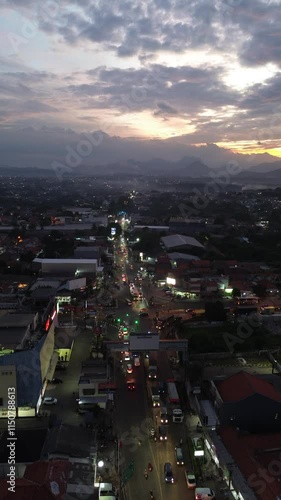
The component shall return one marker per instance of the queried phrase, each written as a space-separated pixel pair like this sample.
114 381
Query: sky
196 71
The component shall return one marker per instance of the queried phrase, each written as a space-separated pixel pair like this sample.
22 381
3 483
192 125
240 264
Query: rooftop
258 458
242 385
179 240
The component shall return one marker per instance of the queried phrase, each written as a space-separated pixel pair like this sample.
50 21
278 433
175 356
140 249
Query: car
60 368
190 480
162 432
131 385
56 381
143 314
49 401
204 494
242 361
179 456
162 387
106 491
168 473
136 361
129 368
129 302
127 356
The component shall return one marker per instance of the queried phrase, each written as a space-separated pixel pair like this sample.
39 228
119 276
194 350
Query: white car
49 401
242 361
190 480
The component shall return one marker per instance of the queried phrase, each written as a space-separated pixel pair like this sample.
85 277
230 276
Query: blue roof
28 373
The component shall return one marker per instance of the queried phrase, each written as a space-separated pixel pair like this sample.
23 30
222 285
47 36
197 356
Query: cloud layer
205 71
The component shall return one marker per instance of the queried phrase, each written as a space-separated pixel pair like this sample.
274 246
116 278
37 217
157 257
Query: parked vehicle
56 381
49 401
204 494
190 480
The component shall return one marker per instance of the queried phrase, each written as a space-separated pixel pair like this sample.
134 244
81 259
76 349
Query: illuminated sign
47 325
170 281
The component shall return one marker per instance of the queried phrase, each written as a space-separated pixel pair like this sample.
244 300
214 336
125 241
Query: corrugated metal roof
179 240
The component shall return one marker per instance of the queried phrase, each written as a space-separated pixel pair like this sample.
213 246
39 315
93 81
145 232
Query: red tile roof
201 263
242 385
258 457
25 490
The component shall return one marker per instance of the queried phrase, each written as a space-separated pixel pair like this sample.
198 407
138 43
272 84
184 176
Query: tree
214 311
260 290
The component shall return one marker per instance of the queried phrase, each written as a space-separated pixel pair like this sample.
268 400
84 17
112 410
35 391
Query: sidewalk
210 473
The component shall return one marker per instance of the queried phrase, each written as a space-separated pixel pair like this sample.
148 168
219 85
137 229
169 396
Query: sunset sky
206 70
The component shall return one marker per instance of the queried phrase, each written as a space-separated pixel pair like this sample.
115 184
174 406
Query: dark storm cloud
263 99
164 109
186 89
261 22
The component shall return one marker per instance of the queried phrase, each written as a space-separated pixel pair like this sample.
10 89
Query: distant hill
266 167
188 167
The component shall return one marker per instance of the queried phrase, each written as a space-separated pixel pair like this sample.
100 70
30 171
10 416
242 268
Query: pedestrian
145 474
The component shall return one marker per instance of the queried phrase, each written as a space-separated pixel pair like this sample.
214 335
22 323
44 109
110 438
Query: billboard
144 341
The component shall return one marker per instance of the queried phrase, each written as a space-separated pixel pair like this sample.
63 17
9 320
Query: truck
153 392
174 402
177 415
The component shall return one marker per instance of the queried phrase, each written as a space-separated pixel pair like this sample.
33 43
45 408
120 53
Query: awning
52 366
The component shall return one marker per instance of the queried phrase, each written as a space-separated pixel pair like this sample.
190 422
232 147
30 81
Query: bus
173 396
106 388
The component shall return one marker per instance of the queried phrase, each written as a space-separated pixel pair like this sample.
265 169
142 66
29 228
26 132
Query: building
28 372
179 242
16 330
69 267
248 402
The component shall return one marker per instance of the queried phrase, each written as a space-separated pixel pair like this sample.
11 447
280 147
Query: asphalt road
135 416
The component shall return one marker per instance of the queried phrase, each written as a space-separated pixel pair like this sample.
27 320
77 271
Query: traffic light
136 321
127 314
119 319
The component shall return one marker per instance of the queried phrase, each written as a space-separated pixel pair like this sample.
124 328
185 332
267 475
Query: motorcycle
153 434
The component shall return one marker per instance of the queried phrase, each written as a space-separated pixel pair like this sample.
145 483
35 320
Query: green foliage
214 311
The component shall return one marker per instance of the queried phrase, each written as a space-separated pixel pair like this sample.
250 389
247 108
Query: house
248 402
258 458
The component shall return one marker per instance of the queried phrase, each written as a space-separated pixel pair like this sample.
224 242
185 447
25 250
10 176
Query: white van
106 491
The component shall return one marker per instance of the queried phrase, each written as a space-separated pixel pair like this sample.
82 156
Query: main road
135 417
